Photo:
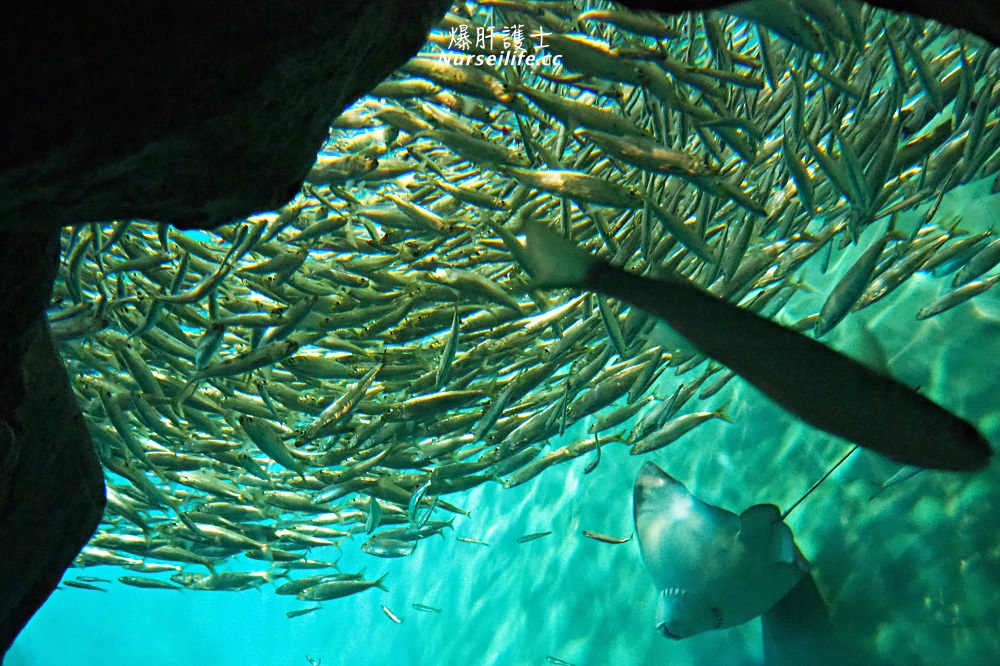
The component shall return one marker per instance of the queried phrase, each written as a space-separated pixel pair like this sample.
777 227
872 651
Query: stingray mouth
667 633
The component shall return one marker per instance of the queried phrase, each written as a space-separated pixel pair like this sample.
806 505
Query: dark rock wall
51 485
28 266
191 113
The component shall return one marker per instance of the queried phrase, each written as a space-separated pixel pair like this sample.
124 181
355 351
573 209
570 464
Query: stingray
716 569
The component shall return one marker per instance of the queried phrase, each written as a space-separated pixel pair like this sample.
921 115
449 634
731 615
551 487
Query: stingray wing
685 542
764 534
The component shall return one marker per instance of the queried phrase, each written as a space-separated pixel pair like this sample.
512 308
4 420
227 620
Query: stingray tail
555 260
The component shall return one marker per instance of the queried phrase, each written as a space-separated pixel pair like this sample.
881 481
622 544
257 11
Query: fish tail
378 582
556 261
513 84
274 572
720 412
189 388
300 467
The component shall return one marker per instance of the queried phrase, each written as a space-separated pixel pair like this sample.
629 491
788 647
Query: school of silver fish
327 375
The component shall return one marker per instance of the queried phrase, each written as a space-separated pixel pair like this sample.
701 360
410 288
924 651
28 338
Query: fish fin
555 261
378 582
762 531
903 474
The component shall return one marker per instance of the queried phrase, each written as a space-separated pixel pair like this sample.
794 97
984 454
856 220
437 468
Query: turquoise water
910 576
